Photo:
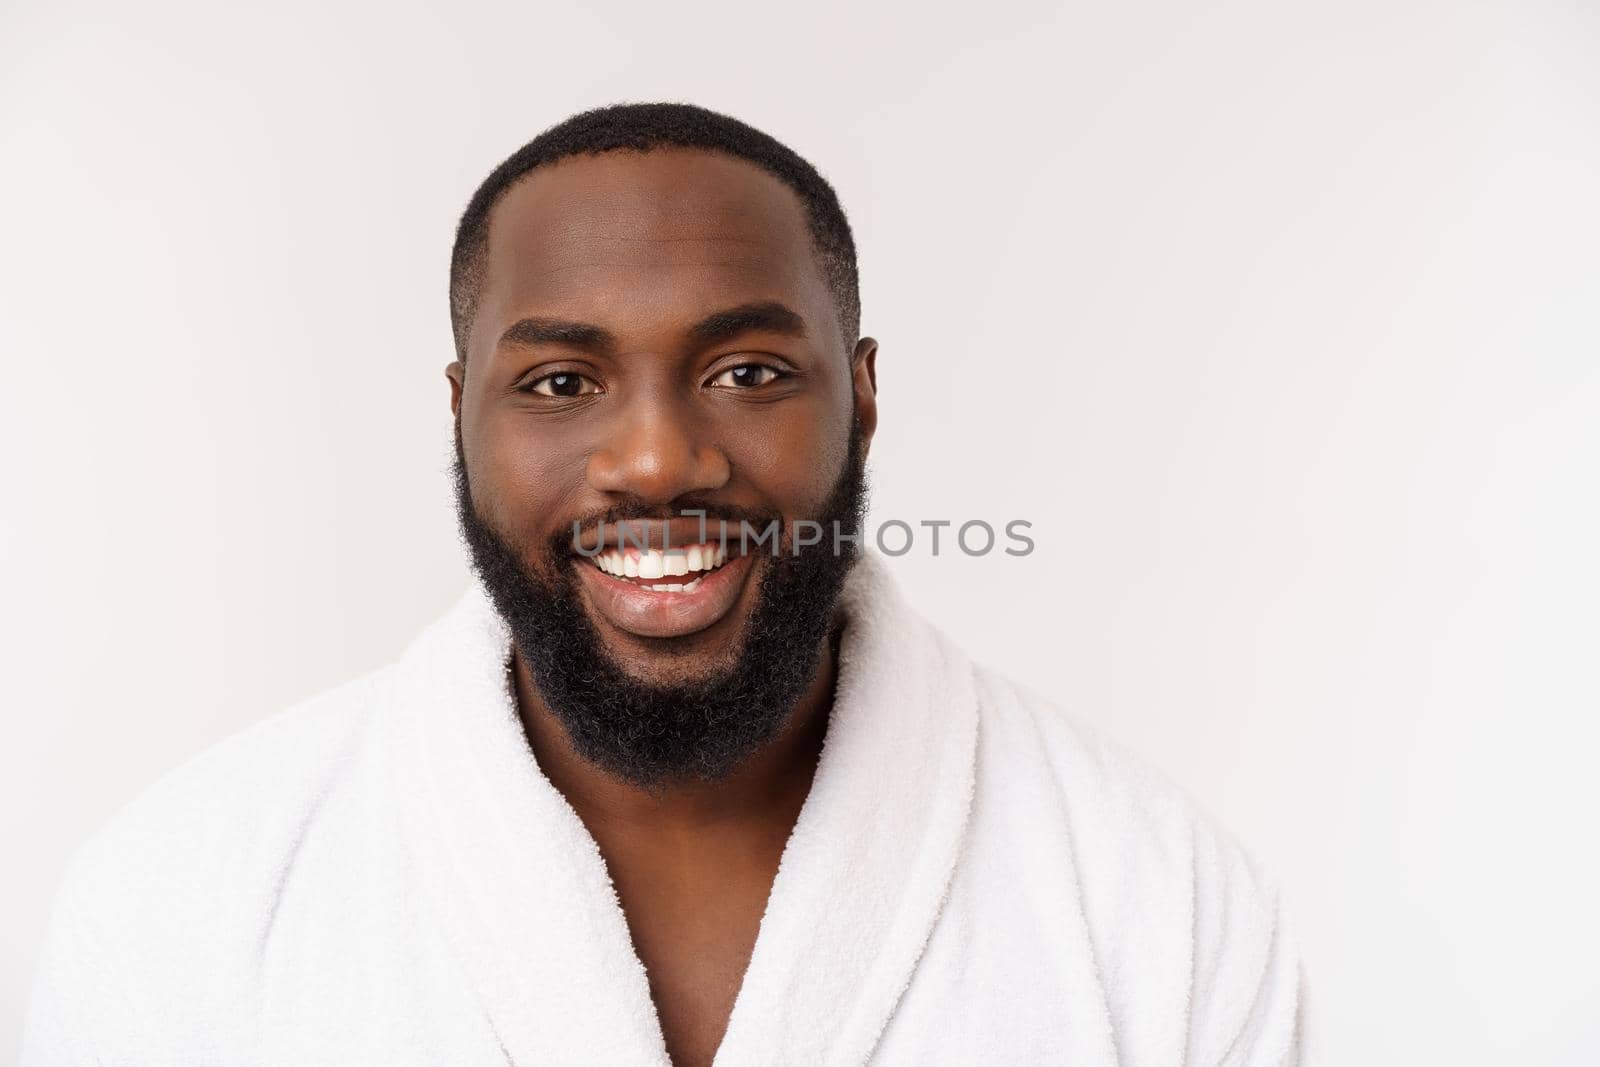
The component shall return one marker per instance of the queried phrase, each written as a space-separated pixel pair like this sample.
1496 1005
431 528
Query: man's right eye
564 384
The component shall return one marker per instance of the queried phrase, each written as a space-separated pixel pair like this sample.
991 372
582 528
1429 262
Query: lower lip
643 613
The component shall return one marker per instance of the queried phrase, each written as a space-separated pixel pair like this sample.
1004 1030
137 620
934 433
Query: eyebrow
767 316
528 333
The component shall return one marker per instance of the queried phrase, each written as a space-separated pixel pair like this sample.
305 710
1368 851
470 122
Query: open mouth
659 593
673 570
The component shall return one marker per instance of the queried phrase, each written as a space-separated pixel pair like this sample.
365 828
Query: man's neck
767 789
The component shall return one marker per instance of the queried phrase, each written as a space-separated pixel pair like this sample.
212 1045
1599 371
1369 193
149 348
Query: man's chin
674 664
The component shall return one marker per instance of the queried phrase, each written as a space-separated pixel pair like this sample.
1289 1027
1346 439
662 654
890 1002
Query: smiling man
681 777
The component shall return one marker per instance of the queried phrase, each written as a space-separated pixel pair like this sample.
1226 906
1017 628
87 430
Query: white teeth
652 563
673 587
607 561
704 557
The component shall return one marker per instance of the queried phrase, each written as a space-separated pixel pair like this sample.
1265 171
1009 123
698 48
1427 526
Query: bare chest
695 936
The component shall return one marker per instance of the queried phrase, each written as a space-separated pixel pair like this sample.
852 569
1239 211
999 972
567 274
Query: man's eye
564 384
744 376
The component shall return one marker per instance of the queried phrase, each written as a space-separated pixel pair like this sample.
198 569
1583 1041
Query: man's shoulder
1157 875
163 911
294 751
1110 795
229 817
1092 772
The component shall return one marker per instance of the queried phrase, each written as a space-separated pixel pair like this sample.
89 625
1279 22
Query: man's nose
658 455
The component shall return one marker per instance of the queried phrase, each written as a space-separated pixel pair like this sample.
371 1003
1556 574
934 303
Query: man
679 779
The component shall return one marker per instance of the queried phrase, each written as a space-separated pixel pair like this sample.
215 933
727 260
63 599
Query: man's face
654 334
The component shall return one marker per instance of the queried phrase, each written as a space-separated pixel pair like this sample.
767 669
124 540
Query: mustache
711 514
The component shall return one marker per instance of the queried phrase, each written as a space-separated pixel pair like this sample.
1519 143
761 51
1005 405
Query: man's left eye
744 376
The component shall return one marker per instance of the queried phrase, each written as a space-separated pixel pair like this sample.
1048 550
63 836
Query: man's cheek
795 482
524 519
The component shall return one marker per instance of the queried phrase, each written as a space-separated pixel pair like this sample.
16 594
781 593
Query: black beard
647 734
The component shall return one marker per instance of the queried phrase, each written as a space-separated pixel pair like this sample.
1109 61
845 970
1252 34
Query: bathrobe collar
519 888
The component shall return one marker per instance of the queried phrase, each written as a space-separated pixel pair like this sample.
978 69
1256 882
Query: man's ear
864 382
457 373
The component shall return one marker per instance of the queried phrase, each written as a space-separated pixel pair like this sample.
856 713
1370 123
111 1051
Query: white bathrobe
381 875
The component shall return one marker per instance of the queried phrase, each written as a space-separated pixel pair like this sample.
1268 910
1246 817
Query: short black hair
642 127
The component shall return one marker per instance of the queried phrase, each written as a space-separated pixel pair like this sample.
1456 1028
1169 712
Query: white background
1280 321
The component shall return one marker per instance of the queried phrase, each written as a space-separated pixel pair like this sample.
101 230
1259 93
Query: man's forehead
666 228
648 200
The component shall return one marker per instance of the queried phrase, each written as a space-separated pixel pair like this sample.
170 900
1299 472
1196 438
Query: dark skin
627 265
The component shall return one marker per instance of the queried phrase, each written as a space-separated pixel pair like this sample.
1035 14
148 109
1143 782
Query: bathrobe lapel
511 875
522 894
865 872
